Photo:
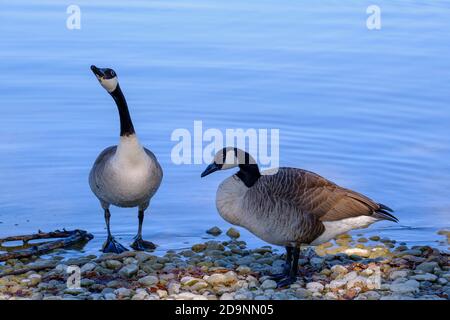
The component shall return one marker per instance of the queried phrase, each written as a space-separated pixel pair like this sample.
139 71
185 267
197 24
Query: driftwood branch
64 239
32 267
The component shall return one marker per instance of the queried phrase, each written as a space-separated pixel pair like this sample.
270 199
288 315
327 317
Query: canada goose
289 207
126 175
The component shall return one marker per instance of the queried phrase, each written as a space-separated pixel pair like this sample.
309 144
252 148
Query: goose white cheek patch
109 84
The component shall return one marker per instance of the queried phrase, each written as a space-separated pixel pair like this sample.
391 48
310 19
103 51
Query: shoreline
345 269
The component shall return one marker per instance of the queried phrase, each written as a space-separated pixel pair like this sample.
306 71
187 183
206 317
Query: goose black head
107 78
230 157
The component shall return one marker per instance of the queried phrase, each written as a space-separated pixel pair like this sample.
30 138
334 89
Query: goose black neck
126 125
249 174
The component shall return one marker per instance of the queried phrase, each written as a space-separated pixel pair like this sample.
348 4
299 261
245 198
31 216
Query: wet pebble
233 233
215 231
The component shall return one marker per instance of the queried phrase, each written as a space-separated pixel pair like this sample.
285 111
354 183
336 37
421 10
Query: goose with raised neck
126 175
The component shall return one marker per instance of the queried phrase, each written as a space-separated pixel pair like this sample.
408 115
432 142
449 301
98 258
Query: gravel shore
348 268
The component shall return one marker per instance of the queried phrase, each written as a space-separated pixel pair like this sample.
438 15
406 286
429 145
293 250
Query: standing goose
289 207
126 175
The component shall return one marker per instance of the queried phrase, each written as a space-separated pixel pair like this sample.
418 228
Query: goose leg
139 244
292 277
111 245
286 268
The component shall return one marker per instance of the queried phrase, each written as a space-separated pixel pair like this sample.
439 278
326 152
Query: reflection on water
366 109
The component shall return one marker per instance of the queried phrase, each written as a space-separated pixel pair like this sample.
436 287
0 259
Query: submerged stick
68 238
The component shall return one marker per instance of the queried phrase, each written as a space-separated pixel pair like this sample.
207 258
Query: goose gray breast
99 180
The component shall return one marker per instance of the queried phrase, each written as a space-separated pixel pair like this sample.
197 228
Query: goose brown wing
314 195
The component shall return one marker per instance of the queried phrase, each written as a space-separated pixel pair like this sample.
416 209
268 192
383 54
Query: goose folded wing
330 202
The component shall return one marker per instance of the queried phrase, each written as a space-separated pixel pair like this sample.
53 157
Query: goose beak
98 72
210 169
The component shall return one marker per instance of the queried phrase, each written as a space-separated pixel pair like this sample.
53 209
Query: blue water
368 109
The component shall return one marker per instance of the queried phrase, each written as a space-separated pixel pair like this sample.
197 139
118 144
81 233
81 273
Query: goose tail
384 213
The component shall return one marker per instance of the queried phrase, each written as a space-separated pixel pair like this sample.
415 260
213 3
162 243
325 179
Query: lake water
368 109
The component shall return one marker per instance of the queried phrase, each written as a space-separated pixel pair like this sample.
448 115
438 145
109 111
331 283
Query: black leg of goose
111 245
139 244
287 266
292 277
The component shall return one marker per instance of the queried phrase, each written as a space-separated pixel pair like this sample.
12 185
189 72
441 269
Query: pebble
358 252
115 284
148 281
233 233
113 264
350 276
88 267
173 288
241 296
122 292
246 260
227 296
243 270
129 270
331 296
189 281
199 285
74 291
268 284
162 294
338 269
35 279
142 257
409 286
302 293
412 252
427 266
199 247
336 284
315 286
357 282
222 279
316 262
372 295
110 296
215 231
140 296
425 277
395 274
130 260
185 296
214 245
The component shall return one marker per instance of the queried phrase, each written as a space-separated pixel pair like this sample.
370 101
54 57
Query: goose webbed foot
286 267
282 275
141 245
286 281
289 275
111 245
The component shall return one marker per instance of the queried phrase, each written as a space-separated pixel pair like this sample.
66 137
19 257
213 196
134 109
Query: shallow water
367 109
